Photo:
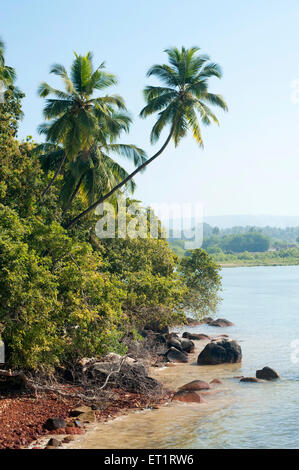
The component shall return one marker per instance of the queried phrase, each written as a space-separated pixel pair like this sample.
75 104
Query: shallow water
263 302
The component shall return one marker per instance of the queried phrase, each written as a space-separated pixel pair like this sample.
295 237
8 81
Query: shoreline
22 416
121 404
172 377
234 265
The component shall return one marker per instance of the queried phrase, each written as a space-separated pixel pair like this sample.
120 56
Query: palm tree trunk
74 194
122 183
54 177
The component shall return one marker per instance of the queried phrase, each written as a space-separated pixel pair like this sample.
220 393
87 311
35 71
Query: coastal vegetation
247 246
66 294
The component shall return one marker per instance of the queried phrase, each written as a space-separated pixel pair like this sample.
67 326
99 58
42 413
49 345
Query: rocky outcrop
223 351
188 396
221 322
195 385
174 355
196 336
267 374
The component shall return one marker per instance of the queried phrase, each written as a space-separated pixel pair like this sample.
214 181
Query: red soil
22 416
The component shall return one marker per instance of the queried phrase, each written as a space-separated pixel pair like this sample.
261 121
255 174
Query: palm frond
60 70
131 152
158 103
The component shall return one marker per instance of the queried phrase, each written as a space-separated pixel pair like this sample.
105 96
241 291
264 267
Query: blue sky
250 163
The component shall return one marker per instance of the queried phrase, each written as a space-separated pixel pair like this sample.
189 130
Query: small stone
216 381
53 442
68 439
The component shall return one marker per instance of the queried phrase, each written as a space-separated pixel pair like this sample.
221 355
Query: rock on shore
220 352
267 374
195 385
188 396
221 322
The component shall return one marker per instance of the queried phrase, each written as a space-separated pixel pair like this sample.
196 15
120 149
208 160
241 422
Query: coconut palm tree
180 104
74 114
99 172
7 74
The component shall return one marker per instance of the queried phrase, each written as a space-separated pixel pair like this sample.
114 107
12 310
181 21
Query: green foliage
251 241
201 276
146 269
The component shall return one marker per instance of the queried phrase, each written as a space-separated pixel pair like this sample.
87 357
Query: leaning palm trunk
54 177
75 192
121 184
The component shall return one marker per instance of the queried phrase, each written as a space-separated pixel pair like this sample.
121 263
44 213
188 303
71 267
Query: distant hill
227 221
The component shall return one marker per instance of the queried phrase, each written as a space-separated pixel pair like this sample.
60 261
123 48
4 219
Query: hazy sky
250 163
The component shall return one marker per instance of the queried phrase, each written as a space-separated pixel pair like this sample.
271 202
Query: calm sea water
263 302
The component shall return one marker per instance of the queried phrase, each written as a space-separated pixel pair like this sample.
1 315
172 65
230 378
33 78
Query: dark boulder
221 322
175 343
267 374
196 336
196 385
224 351
54 423
174 355
187 345
188 396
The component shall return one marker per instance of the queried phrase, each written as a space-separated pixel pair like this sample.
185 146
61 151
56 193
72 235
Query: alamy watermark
183 221
295 351
2 91
2 352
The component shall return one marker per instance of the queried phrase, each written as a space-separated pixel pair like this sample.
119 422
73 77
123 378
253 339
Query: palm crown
74 114
83 131
184 101
7 74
